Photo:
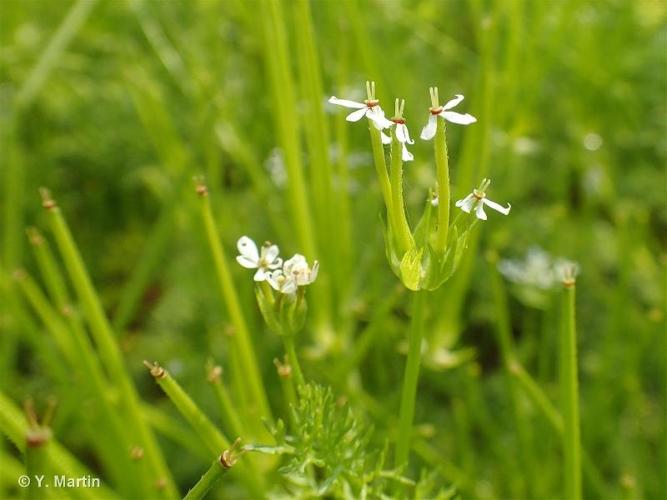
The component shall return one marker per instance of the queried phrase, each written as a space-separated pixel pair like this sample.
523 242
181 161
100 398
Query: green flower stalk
399 153
425 258
251 373
410 379
570 386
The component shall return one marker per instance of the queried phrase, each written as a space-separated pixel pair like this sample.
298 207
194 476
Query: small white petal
270 253
357 115
454 117
453 102
376 115
407 155
247 263
466 203
400 132
428 132
345 103
496 206
276 264
479 211
314 271
385 138
248 249
260 275
407 135
287 285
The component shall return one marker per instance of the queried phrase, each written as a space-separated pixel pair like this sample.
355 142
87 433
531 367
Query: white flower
370 108
283 283
263 261
403 136
536 270
539 270
402 133
477 199
298 267
428 132
295 273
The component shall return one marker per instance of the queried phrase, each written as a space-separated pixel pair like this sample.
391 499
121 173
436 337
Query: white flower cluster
539 269
371 109
285 277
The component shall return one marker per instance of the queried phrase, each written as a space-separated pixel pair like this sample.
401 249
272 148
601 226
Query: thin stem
401 226
410 379
36 460
570 397
229 412
287 383
251 373
211 436
442 173
202 425
108 348
208 480
288 342
381 169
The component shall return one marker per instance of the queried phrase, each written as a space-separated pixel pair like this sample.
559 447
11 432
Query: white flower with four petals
477 200
284 277
428 132
264 261
370 108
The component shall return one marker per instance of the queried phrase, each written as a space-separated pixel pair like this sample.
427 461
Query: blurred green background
131 99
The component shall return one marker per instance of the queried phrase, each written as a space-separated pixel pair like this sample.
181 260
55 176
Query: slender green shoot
228 410
401 227
251 372
410 379
288 342
218 468
108 348
570 391
210 436
442 174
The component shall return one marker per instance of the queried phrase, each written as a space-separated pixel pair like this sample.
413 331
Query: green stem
108 348
316 131
251 373
410 379
207 481
229 412
570 397
442 173
14 425
287 385
401 227
202 425
381 169
288 342
36 460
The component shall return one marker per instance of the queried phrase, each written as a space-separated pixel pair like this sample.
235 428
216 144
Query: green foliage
330 453
116 105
